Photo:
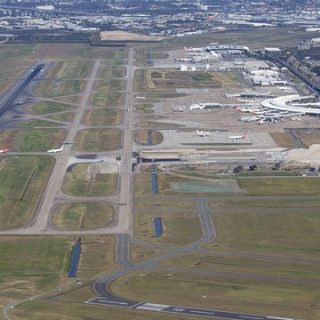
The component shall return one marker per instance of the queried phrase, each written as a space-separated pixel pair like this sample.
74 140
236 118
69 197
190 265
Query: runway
155 307
7 101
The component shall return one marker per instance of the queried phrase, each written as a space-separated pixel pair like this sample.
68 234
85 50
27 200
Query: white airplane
249 119
238 137
55 150
248 109
140 97
197 106
193 49
200 133
184 60
5 150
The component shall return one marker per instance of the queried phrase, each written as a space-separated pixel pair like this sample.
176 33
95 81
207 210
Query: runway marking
102 301
137 305
116 302
277 318
153 306
203 312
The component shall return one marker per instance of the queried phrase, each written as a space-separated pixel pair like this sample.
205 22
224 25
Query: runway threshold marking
153 307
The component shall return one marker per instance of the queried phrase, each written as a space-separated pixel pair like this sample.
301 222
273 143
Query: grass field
74 69
280 185
78 52
56 88
139 253
23 179
47 107
139 80
110 100
145 108
70 306
276 231
14 61
209 291
46 266
180 223
109 85
252 37
90 180
13 57
148 137
112 72
69 69
102 117
64 117
195 79
29 265
251 202
98 140
30 140
69 99
242 267
36 124
82 216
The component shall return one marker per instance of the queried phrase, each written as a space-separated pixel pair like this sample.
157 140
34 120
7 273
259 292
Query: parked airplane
200 133
197 106
250 119
238 137
5 150
248 109
55 150
184 60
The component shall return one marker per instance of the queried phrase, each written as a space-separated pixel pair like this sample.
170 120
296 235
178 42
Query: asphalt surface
155 307
125 169
17 89
58 173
